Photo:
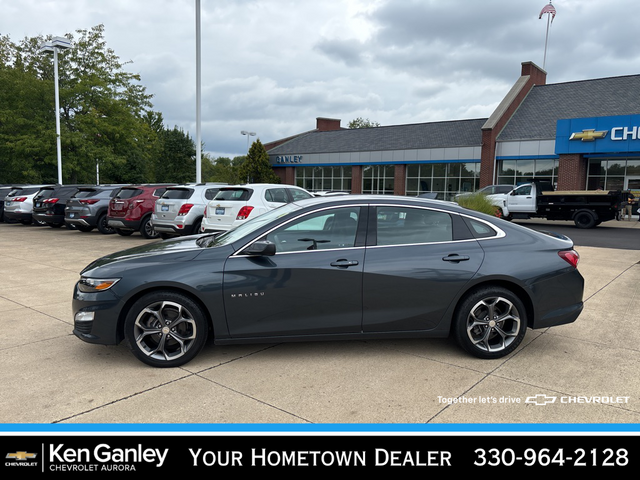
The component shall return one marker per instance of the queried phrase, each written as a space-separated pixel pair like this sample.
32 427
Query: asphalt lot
589 367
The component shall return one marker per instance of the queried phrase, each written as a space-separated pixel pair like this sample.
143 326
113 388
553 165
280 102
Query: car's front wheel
490 322
166 329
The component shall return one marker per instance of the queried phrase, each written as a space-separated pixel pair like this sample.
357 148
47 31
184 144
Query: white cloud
273 66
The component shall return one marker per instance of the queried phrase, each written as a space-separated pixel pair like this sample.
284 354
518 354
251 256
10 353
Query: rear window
128 193
177 193
234 194
46 193
23 191
85 193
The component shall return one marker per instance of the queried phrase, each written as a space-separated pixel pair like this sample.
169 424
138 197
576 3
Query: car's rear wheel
147 230
585 219
166 329
103 225
490 322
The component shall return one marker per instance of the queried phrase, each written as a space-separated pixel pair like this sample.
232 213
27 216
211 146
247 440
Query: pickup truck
586 208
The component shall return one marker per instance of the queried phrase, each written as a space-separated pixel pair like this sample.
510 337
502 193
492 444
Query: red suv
131 208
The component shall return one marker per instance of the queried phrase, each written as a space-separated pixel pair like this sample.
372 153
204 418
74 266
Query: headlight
91 285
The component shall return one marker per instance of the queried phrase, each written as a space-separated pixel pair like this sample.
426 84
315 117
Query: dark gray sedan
344 267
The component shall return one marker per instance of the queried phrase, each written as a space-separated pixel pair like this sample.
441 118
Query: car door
414 267
522 199
312 285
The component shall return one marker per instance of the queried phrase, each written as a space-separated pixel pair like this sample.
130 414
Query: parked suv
235 204
87 208
131 208
49 204
180 209
18 204
4 191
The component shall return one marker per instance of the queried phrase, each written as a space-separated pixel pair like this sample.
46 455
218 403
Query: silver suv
180 209
18 205
88 208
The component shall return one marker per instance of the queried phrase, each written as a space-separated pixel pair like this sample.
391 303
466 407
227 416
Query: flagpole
550 11
546 41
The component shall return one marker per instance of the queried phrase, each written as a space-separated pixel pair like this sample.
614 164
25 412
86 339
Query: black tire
147 230
486 337
103 225
195 229
165 329
84 228
585 219
124 233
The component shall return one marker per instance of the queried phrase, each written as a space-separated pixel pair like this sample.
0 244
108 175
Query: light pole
53 46
198 96
248 134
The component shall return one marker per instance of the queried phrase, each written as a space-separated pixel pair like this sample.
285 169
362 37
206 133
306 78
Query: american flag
550 9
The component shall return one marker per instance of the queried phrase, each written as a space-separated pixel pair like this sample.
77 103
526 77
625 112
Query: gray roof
460 133
536 117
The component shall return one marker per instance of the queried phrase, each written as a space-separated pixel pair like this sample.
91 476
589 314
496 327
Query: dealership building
579 135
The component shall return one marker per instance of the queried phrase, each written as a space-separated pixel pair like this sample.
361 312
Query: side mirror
261 248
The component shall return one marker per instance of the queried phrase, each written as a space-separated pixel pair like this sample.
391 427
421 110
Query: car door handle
456 258
344 263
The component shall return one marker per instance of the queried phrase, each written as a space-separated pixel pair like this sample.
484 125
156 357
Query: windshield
251 226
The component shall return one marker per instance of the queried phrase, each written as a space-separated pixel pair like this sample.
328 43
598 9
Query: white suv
180 209
235 204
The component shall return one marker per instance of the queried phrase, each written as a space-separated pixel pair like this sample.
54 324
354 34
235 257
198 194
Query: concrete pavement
586 372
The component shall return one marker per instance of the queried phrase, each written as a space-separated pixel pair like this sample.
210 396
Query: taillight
51 200
244 213
89 202
184 209
18 199
570 256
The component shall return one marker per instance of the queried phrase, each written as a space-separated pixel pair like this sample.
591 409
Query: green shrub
478 202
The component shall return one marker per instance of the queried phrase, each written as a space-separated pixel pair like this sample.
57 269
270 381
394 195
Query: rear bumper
123 223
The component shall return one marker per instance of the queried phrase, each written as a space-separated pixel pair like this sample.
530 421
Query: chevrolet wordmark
334 268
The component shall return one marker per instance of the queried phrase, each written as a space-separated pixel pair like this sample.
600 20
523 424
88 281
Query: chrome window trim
499 232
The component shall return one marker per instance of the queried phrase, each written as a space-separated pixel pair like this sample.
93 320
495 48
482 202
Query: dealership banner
419 454
598 135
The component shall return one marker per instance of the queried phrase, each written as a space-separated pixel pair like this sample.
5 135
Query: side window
481 229
320 231
406 225
210 193
298 194
276 195
526 190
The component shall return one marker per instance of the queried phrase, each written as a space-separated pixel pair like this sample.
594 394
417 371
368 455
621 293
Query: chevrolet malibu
334 268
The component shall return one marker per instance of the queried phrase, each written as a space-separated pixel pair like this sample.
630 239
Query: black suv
49 204
88 208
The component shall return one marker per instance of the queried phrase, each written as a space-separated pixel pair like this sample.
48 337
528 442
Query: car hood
172 250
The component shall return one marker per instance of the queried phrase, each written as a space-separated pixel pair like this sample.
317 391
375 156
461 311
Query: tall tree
362 123
256 168
104 113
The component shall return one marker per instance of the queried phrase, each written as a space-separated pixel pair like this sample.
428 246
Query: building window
515 172
444 179
378 179
317 179
611 174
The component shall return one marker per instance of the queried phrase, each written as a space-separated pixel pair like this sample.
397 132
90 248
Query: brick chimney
531 76
327 124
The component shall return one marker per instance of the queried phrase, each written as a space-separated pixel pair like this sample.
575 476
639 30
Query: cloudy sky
273 66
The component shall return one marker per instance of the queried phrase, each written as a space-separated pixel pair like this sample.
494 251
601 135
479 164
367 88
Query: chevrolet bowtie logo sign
540 399
20 456
588 135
